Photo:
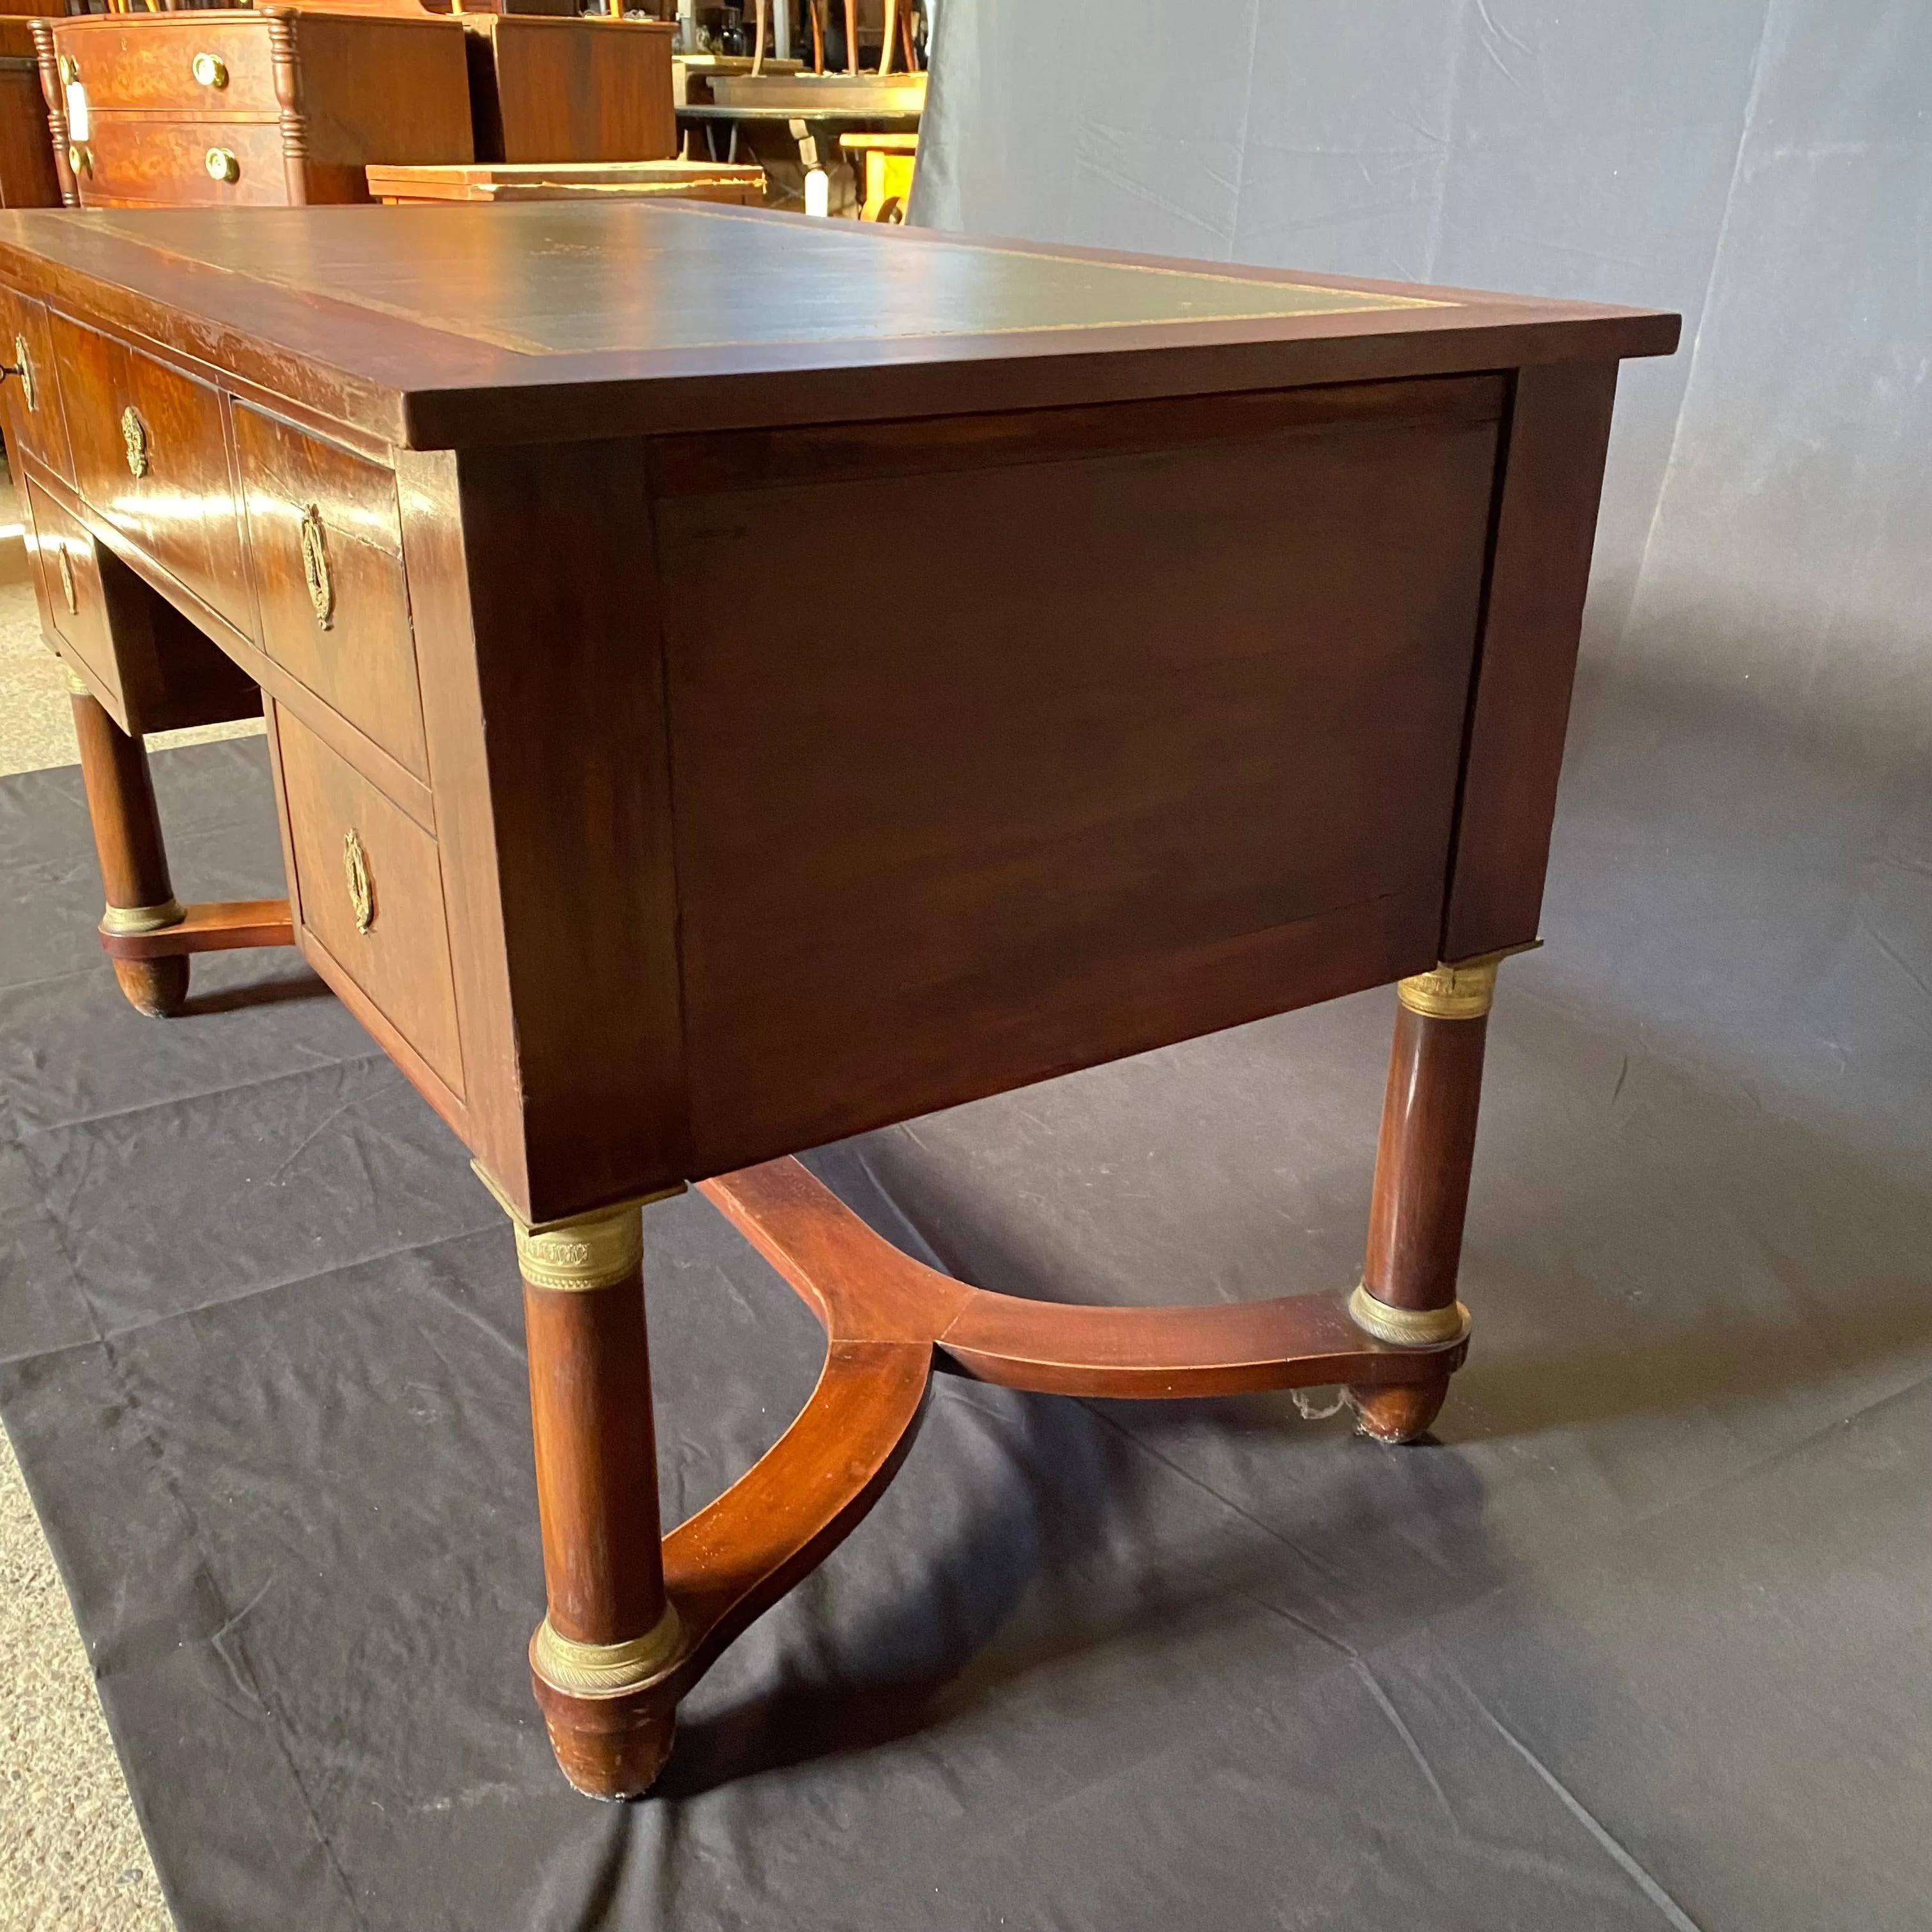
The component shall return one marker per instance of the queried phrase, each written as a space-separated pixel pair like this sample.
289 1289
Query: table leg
133 860
1408 1291
610 1636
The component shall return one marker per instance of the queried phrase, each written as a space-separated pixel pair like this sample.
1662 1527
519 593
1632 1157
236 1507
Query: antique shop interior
965 964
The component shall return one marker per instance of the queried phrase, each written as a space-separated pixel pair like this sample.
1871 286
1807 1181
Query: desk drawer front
165 163
368 884
71 598
153 68
149 455
325 535
35 422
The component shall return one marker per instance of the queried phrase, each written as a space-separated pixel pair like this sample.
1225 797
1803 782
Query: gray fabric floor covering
1642 1642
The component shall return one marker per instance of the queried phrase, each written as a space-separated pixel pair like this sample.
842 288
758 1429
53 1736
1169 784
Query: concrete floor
72 1859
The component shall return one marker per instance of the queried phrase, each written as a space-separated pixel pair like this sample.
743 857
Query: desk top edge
433 382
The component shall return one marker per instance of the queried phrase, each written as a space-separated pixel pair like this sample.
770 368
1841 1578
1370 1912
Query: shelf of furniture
1234 679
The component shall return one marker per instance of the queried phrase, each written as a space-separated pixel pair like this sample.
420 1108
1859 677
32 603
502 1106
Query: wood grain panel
141 64
1152 743
362 662
148 164
27 175
401 962
1546 529
548 89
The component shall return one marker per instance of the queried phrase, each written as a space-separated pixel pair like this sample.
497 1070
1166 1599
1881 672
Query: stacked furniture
277 108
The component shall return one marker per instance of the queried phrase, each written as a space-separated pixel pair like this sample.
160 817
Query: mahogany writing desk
1231 675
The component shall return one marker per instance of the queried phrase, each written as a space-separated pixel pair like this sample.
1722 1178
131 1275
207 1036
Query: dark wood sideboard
1229 672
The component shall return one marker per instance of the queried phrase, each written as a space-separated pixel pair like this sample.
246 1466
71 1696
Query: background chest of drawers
276 108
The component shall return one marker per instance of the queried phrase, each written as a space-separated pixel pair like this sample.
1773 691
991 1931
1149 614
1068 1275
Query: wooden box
546 89
225 108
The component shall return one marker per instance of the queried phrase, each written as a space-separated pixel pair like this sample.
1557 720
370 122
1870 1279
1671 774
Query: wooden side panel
1546 528
547 750
27 176
1155 738
372 89
571 90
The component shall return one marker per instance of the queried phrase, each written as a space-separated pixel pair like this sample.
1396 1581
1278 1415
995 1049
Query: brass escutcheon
80 158
211 69
23 367
355 870
67 582
315 567
221 165
69 69
134 434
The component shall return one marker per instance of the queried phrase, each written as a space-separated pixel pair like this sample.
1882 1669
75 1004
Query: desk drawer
151 67
149 454
71 598
368 890
35 420
165 163
325 533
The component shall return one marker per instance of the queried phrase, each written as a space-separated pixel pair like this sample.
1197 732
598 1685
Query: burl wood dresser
229 108
1230 673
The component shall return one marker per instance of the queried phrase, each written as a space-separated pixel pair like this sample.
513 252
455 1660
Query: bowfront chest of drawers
1234 679
282 107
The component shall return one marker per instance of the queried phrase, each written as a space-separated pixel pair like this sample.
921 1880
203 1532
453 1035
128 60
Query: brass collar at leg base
607 1669
1408 1327
125 921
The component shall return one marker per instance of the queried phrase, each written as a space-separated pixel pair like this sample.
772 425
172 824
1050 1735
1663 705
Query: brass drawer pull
69 69
134 434
67 582
21 366
211 69
80 157
221 165
315 567
355 869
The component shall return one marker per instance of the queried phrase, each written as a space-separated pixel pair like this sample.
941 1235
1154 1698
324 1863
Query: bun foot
156 987
1399 1413
610 1747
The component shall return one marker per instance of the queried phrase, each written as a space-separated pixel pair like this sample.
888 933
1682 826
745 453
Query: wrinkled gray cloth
1642 1642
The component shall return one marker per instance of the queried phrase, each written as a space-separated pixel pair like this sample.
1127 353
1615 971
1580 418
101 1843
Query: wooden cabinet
549 89
238 109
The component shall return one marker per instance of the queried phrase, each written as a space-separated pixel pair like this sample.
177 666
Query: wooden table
497 181
1233 676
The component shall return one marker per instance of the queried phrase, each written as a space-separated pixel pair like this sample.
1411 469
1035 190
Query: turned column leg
133 860
1408 1291
610 1634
